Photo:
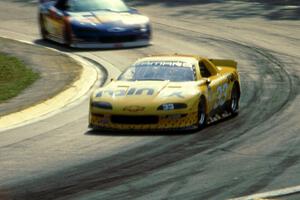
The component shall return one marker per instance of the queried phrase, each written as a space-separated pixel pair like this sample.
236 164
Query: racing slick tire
67 38
202 116
233 105
43 30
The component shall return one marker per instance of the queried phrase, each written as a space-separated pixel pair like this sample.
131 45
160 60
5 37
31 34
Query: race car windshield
96 5
157 70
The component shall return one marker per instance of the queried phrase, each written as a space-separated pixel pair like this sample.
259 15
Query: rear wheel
202 116
233 106
43 30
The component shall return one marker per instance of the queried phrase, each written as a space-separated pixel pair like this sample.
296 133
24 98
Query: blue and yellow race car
93 23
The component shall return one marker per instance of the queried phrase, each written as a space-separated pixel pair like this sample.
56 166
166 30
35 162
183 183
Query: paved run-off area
255 152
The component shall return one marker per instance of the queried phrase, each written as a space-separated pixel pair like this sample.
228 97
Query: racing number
221 95
49 25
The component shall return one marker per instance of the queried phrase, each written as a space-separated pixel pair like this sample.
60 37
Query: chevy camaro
93 23
167 92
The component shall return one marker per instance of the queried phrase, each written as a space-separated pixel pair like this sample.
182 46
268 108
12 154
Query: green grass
14 77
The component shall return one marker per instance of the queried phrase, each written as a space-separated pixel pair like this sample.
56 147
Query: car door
217 85
55 22
221 91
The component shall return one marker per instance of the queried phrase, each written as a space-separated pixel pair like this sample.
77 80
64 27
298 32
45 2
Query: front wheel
202 116
67 32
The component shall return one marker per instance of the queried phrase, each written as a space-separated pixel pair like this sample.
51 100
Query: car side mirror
208 81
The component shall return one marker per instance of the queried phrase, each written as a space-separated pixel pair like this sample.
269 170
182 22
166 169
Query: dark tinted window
96 5
203 70
159 70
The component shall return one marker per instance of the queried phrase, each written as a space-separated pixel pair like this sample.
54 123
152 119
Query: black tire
202 116
67 36
43 30
233 105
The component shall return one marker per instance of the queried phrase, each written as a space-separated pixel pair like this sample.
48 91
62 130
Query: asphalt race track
257 151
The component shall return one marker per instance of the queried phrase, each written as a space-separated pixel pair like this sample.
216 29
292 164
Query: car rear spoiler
224 63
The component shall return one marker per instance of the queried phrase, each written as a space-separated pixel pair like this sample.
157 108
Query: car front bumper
83 45
94 38
146 122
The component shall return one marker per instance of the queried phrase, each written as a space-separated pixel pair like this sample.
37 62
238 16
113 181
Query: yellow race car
167 92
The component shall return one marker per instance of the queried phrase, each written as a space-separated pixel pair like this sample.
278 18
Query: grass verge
14 77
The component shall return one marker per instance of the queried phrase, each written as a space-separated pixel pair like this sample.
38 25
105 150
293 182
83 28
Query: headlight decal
102 105
172 106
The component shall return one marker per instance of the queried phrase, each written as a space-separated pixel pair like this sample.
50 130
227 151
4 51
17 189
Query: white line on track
270 194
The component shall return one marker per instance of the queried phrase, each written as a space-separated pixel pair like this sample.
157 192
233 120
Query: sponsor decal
222 91
136 92
134 108
164 64
131 92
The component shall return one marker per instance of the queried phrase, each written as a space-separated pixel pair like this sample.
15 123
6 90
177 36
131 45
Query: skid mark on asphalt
148 170
142 161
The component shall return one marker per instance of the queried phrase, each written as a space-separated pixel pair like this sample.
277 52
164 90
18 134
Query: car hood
147 93
107 17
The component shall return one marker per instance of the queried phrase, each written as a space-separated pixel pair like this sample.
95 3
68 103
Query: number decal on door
221 95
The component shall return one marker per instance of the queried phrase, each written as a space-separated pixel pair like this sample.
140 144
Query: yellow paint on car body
164 104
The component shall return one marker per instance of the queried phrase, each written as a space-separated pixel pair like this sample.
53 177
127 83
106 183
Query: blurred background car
93 23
